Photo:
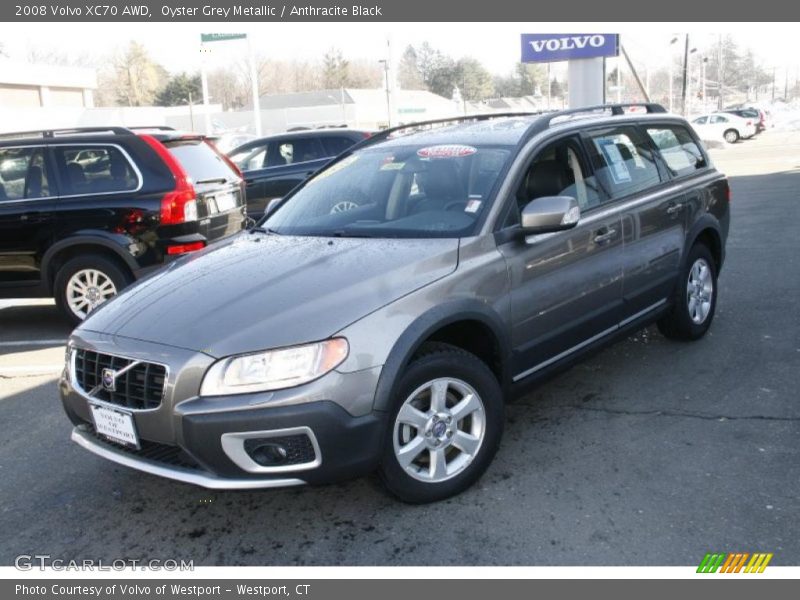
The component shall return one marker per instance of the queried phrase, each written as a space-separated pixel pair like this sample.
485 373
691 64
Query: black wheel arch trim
426 325
102 240
705 222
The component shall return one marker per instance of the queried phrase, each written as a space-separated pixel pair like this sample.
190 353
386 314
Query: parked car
723 126
756 115
85 212
482 256
274 165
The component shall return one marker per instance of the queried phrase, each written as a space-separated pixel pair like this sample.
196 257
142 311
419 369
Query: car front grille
140 387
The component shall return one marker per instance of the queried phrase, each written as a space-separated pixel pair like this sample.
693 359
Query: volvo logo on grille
109 380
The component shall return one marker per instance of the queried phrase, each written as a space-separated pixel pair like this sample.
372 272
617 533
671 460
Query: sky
496 45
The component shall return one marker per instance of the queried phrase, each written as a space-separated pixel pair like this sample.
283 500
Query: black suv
275 165
84 212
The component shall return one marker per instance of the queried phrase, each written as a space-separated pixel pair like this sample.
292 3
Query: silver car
479 255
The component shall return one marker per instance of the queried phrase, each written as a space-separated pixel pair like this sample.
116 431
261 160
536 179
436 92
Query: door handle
604 235
674 209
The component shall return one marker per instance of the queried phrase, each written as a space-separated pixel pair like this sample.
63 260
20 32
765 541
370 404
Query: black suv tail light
179 205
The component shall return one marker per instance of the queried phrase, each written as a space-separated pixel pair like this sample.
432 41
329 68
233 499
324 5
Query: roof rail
51 133
615 109
151 127
386 133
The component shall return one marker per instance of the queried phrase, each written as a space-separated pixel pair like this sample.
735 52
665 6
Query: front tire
731 136
695 299
85 282
445 425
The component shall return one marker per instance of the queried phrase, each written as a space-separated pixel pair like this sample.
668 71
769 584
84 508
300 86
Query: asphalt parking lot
650 453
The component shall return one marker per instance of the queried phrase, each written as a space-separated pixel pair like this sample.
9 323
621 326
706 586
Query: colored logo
109 380
734 562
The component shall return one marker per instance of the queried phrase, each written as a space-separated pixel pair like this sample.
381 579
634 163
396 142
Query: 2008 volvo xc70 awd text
475 257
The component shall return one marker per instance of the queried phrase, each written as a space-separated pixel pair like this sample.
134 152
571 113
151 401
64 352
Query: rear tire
731 136
695 298
85 282
445 425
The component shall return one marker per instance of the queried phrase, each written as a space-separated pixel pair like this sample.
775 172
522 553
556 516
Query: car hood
259 291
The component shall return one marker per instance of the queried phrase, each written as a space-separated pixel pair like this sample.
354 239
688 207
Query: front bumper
326 430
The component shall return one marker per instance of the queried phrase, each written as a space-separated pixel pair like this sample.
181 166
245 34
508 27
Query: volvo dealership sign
553 47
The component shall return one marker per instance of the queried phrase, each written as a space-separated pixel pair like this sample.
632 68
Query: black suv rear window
201 162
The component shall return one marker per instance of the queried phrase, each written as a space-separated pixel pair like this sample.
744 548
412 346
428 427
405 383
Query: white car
723 126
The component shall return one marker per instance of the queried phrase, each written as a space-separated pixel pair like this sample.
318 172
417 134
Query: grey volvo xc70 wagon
479 255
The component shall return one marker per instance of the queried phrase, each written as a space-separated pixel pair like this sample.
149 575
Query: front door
566 286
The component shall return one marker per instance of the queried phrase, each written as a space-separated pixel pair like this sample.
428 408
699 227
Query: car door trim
586 342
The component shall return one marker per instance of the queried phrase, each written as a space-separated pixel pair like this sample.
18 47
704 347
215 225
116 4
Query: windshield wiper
212 180
342 233
266 230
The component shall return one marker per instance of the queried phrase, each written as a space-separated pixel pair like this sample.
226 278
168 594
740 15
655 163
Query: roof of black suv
160 132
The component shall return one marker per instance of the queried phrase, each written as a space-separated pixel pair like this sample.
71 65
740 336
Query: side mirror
550 213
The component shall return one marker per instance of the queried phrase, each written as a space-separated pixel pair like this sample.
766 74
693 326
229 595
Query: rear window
678 148
201 162
100 169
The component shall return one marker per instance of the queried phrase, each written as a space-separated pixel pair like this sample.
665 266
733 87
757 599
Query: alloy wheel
87 289
699 291
439 430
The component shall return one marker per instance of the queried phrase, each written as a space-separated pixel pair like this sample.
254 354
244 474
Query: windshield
409 191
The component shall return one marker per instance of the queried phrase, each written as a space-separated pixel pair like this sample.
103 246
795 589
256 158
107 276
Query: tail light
728 193
179 205
184 248
749 123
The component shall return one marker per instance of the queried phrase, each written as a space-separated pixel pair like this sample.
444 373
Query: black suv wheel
83 283
445 427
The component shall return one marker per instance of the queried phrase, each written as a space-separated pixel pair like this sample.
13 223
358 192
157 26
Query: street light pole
685 68
388 99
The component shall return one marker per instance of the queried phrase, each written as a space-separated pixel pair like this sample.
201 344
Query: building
24 85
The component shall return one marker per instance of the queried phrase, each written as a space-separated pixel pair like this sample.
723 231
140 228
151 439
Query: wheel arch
706 230
465 324
64 250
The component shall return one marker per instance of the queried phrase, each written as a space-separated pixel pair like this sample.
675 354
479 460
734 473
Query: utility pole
685 68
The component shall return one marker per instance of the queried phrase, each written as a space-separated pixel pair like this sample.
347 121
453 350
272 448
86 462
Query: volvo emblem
109 380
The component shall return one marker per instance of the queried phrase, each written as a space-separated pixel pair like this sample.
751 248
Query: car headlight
273 369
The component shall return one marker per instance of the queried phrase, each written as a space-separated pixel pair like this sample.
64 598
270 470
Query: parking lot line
34 343
30 370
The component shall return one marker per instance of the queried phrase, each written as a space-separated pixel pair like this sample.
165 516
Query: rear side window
201 162
623 161
335 145
94 170
23 174
679 150
291 151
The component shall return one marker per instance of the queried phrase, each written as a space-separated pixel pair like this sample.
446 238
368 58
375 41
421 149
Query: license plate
225 202
116 425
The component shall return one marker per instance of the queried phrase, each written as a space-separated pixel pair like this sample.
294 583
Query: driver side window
558 170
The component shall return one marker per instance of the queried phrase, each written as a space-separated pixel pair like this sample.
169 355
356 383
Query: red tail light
749 123
184 248
179 205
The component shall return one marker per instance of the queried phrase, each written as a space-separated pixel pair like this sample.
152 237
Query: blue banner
553 47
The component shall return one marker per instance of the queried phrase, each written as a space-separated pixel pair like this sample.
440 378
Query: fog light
268 454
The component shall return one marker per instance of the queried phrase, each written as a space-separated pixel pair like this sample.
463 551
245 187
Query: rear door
220 199
27 200
652 210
